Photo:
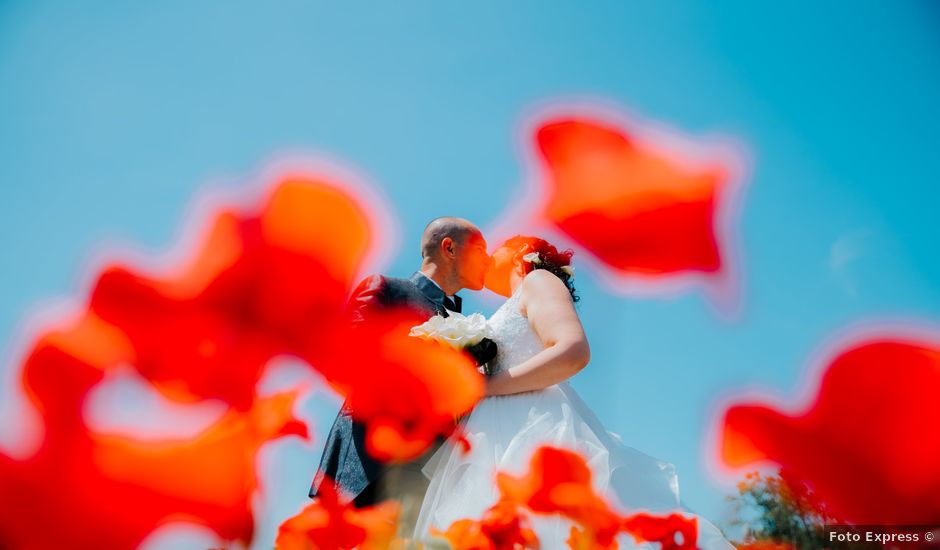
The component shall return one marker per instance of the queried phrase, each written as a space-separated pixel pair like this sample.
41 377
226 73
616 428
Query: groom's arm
368 297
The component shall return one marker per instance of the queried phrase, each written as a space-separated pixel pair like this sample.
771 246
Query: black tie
450 305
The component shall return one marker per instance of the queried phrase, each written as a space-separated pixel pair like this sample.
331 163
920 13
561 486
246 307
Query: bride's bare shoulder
542 280
542 285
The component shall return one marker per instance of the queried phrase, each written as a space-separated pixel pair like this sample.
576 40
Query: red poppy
433 384
559 482
579 539
106 491
674 531
864 445
330 523
638 208
260 284
502 527
263 283
274 282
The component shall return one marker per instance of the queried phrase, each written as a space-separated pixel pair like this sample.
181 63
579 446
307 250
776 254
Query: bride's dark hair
549 258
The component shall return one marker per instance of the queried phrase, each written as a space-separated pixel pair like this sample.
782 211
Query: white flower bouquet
457 330
469 333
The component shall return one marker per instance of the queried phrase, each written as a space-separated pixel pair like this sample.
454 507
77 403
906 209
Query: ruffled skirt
504 431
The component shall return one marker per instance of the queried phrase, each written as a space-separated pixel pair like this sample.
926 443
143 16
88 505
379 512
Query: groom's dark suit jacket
344 458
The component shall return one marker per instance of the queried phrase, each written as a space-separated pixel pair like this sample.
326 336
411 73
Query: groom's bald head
458 230
453 253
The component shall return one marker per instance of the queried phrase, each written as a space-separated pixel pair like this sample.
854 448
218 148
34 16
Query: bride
529 403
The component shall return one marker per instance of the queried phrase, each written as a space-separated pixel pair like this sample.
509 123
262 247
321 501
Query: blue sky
112 115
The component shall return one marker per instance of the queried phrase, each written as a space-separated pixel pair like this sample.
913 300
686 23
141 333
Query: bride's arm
551 314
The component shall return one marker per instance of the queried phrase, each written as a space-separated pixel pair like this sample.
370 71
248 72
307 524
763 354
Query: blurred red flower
264 282
107 491
637 207
433 384
275 283
663 530
260 284
502 527
865 445
329 523
559 482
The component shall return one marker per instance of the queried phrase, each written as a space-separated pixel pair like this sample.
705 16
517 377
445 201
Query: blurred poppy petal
465 534
337 525
433 384
261 284
871 420
578 539
671 532
559 481
105 491
216 465
638 208
502 527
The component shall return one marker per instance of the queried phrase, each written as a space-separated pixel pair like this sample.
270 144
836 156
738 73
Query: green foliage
783 510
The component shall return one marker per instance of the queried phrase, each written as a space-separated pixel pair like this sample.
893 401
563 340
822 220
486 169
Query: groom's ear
448 246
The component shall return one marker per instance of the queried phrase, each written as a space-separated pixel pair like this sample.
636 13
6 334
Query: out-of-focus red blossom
864 446
459 436
664 530
332 524
467 534
579 539
502 527
261 283
107 491
433 384
559 482
274 282
637 207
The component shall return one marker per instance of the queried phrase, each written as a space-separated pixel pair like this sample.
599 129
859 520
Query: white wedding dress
505 430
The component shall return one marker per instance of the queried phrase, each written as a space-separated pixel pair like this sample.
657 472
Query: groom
454 257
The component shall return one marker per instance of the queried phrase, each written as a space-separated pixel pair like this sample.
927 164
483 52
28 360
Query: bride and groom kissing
538 343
